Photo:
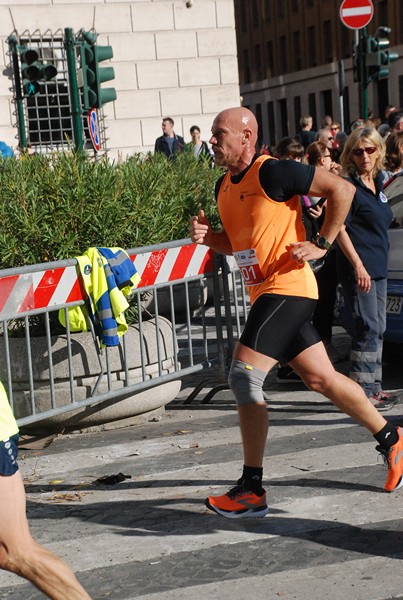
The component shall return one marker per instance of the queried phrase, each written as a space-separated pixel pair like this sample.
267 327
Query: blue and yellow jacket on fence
108 277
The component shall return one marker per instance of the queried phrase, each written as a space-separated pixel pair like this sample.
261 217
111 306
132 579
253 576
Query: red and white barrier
56 287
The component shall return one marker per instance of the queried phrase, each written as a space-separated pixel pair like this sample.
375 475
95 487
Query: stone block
202 15
125 76
157 75
130 47
225 13
199 71
229 70
176 44
182 101
137 104
125 133
216 42
113 19
152 16
218 98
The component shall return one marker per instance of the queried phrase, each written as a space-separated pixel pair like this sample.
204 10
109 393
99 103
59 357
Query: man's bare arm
202 233
339 193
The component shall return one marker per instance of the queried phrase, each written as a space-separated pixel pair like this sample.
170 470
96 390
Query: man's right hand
199 228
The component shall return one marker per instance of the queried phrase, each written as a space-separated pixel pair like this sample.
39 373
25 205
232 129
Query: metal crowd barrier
191 298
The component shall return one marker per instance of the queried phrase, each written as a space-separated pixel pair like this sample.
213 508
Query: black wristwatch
321 242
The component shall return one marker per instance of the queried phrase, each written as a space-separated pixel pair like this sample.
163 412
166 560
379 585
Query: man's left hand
301 252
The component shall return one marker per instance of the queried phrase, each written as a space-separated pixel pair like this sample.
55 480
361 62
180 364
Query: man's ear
246 135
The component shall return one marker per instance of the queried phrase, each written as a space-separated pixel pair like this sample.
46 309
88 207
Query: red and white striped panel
56 287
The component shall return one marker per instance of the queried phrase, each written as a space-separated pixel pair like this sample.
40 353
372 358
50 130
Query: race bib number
248 265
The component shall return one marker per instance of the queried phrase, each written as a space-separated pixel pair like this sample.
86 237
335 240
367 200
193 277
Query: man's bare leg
20 554
253 418
315 368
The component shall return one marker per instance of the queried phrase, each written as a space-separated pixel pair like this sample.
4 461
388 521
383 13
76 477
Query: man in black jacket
169 143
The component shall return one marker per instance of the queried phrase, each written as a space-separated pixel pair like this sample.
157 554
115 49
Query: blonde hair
370 135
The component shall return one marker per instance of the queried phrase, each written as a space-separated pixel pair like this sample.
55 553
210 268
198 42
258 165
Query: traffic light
33 71
378 56
92 74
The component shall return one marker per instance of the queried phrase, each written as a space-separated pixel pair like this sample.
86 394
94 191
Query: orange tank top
261 231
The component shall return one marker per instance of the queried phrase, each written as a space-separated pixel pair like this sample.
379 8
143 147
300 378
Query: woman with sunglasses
362 261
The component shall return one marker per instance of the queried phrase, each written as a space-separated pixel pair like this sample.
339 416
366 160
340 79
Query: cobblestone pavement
332 532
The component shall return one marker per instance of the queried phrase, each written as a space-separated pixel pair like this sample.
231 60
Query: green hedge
53 208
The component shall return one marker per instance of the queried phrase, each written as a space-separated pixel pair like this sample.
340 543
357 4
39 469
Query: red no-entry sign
356 14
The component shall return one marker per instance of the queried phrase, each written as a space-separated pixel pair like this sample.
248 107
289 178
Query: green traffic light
93 75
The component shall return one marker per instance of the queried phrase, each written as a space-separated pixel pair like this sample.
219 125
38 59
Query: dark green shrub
53 208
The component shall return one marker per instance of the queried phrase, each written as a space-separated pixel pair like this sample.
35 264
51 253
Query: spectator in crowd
325 136
19 553
357 124
263 148
362 262
395 121
327 122
326 276
169 143
289 148
5 150
199 147
394 156
306 136
383 128
339 141
335 128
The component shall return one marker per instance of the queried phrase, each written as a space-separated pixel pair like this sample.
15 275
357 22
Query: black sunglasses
360 151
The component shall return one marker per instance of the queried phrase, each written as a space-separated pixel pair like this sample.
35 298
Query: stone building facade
171 58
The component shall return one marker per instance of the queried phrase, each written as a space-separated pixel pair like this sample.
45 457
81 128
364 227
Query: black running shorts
280 326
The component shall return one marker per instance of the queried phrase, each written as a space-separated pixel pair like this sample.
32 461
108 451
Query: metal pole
364 83
13 43
342 85
76 112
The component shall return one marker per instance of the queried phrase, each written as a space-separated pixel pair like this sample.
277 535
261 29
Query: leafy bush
53 208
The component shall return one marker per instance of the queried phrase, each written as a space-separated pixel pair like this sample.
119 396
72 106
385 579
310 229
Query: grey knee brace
246 383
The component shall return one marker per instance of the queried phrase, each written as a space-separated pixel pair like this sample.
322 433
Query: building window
346 42
326 103
282 106
297 112
283 54
258 115
400 90
383 12
270 119
281 9
246 66
269 59
295 5
346 108
312 54
258 63
312 109
244 16
327 42
255 13
267 9
297 50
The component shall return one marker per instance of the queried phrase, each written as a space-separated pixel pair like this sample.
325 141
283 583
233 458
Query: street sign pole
356 14
364 84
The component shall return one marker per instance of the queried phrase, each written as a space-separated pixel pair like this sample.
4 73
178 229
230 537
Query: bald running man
19 553
260 211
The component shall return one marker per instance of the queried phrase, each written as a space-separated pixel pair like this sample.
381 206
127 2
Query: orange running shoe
394 461
238 502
